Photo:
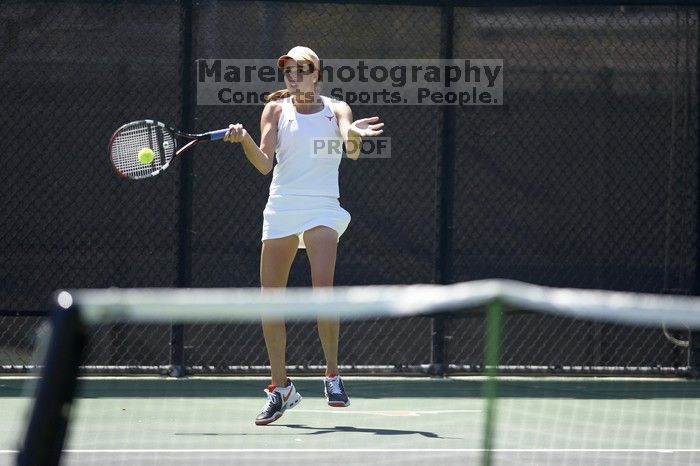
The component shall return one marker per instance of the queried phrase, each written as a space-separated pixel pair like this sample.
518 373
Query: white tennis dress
304 190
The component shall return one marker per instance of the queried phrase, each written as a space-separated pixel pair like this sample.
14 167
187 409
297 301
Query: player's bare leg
321 247
275 262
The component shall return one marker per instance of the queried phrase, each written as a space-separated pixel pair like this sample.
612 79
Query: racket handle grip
218 134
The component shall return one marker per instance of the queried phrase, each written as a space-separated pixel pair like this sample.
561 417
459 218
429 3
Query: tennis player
302 210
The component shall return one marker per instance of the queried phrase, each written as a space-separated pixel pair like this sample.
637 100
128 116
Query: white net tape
250 304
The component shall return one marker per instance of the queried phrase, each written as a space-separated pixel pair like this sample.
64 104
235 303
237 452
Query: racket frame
194 140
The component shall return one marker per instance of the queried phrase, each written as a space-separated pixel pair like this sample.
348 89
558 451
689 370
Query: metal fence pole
184 262
694 338
446 183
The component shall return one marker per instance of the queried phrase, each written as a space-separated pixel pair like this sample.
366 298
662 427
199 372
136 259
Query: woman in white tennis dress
298 125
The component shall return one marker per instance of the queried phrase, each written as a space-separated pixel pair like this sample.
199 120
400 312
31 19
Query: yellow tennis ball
146 155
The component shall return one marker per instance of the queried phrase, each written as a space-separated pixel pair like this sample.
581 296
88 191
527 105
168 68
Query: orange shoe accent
331 375
271 388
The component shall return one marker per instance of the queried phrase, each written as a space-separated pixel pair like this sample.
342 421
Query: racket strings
134 137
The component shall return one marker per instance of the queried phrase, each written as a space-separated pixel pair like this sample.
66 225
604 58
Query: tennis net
491 418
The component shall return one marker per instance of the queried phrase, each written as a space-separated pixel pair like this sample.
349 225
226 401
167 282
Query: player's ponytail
277 95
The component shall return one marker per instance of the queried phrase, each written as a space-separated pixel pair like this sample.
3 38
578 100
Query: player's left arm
353 131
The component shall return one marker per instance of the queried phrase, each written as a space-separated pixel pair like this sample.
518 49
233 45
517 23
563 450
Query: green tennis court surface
391 421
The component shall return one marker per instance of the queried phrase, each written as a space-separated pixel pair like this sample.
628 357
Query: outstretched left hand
365 127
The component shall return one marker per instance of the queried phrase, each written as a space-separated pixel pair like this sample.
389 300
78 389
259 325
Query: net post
55 390
492 350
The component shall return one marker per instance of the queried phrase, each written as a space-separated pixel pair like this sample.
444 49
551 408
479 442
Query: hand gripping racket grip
218 134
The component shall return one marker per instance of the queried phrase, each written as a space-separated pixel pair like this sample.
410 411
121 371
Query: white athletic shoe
278 401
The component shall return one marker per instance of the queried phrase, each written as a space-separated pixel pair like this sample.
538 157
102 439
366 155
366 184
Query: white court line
385 450
390 413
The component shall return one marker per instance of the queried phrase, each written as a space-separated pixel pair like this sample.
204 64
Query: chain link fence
586 176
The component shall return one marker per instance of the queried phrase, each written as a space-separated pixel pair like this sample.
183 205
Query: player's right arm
262 156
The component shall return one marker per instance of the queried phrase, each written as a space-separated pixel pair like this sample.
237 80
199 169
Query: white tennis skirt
287 215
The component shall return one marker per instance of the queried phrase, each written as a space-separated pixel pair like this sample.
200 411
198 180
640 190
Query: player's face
298 76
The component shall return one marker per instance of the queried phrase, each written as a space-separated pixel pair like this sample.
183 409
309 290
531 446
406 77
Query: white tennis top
308 152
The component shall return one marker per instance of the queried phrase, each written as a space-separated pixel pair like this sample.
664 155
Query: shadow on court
361 430
378 388
320 431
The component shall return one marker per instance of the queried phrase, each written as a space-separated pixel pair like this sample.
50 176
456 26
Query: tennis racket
127 141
